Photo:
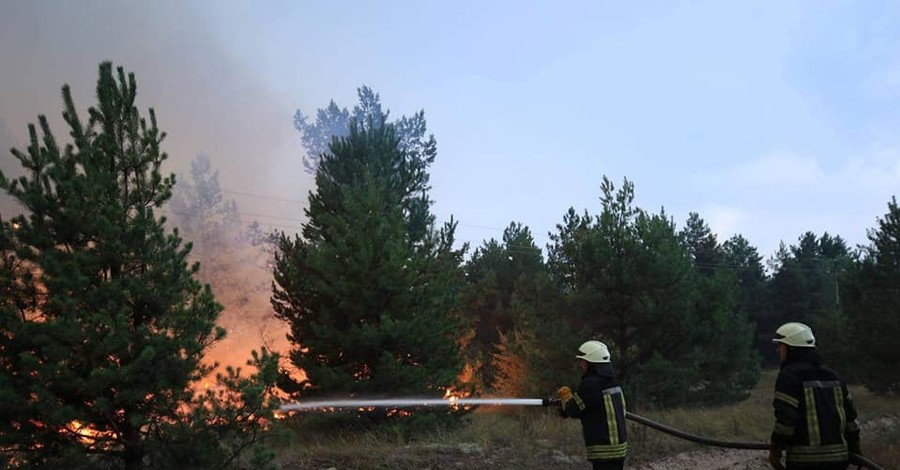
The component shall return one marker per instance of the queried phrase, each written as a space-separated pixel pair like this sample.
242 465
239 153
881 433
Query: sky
767 118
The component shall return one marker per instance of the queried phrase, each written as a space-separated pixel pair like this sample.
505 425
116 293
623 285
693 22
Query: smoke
10 168
205 100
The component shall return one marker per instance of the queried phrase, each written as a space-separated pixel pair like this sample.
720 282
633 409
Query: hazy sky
767 118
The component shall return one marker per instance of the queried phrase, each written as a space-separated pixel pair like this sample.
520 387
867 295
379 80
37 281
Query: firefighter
815 419
600 405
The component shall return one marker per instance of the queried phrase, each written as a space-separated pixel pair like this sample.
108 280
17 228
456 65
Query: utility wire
262 196
512 249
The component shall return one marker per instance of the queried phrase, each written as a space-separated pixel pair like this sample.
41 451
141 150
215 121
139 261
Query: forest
118 278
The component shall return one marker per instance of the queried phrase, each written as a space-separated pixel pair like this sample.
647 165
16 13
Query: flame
453 396
89 436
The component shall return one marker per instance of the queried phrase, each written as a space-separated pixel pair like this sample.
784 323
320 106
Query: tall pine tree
753 293
334 121
727 366
630 280
627 280
370 290
805 287
507 287
102 324
872 303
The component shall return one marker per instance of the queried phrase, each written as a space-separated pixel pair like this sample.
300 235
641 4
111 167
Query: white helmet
594 352
795 334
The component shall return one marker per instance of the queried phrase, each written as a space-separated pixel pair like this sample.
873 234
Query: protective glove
855 447
560 411
775 458
564 393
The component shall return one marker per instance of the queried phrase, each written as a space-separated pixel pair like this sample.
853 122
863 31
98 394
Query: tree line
105 313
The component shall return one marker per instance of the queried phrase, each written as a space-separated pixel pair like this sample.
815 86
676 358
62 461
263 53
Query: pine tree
727 366
629 280
507 298
805 287
370 290
212 224
753 293
232 260
102 324
702 244
334 121
626 278
201 211
872 301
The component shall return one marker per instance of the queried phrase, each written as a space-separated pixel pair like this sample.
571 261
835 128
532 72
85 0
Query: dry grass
880 423
535 438
531 438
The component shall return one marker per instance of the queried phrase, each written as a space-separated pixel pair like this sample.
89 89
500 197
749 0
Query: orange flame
453 397
90 436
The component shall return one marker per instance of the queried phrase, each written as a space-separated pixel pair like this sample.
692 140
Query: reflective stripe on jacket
815 416
600 404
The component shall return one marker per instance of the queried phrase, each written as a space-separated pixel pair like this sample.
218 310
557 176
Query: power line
514 249
171 212
262 196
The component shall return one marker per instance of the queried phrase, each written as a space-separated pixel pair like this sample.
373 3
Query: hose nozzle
550 402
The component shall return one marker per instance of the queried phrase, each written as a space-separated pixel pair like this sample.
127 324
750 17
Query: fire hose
855 459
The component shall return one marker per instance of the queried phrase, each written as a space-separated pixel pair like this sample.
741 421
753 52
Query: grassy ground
535 438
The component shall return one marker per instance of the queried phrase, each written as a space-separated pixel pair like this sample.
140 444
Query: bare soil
471 456
732 459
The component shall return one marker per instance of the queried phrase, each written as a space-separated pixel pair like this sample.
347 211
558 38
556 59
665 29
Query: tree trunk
134 449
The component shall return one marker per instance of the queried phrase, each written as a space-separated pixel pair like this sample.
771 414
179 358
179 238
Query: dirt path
731 459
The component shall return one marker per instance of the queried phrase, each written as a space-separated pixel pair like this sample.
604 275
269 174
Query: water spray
416 402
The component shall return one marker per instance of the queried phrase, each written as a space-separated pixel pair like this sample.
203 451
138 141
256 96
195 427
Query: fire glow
91 437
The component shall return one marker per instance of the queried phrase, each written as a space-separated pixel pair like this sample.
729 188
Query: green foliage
872 302
506 290
102 324
726 364
223 423
657 298
370 291
753 293
334 121
804 283
805 287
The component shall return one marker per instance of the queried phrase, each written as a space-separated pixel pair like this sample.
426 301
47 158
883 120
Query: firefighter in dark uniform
815 419
600 405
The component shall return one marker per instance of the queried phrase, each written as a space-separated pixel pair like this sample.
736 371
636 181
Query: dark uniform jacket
600 405
814 413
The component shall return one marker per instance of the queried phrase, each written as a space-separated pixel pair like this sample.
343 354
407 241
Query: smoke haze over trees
103 327
107 327
333 121
235 259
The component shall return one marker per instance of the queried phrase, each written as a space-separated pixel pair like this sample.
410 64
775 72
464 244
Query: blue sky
767 118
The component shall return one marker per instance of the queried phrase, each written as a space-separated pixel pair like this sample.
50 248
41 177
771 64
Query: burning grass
535 438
